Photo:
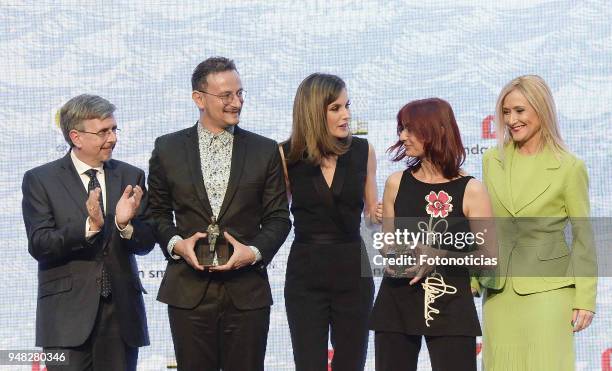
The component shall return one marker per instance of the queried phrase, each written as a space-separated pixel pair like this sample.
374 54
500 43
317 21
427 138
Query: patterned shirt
216 162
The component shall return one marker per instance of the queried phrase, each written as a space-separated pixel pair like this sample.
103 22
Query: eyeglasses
227 98
102 134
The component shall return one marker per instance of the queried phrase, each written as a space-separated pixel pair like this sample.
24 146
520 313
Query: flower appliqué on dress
438 204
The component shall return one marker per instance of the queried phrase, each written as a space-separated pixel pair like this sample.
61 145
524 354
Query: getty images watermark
551 248
403 245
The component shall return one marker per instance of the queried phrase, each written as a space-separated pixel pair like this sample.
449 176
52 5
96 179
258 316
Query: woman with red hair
432 195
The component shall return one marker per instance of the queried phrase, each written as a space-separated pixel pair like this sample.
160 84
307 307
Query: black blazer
254 211
69 266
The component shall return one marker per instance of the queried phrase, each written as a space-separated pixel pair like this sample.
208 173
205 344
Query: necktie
105 287
93 184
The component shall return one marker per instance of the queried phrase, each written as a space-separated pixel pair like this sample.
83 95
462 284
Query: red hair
433 122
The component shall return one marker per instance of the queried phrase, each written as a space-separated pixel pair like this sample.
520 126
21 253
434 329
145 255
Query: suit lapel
239 150
112 178
545 162
192 150
70 179
340 173
321 187
499 177
113 186
329 195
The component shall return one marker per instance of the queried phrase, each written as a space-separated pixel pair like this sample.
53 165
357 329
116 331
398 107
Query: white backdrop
140 56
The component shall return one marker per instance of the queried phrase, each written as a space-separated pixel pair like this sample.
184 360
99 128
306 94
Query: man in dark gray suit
215 183
84 217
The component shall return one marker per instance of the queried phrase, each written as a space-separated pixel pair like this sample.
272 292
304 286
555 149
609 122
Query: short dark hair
210 66
433 122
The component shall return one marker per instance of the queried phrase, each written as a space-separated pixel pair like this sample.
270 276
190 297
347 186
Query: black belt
326 238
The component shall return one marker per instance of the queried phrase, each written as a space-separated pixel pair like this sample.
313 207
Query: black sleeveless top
400 307
329 214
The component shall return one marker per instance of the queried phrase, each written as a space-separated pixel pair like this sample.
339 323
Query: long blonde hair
310 138
539 96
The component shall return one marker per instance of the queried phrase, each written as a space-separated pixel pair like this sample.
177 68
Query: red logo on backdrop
606 365
478 348
36 367
488 127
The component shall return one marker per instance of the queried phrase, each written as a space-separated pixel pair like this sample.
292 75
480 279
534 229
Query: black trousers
104 349
400 352
216 335
325 294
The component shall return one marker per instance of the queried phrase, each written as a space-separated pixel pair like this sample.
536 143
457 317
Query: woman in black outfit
331 180
432 194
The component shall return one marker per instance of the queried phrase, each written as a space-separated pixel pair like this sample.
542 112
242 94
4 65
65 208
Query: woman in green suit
543 290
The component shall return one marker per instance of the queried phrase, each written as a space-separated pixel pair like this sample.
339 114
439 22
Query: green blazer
533 251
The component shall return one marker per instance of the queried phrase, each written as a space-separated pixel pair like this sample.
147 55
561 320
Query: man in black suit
215 175
83 217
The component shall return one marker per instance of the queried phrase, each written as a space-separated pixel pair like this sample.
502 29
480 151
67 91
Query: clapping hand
128 205
96 217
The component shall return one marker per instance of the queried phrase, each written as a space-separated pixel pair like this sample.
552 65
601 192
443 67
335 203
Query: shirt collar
225 136
82 167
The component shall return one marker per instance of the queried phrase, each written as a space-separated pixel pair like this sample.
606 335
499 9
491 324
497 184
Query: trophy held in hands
214 250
